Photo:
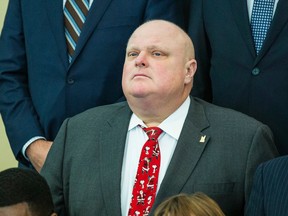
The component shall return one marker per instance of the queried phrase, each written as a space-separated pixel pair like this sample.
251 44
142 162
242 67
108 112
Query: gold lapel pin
202 139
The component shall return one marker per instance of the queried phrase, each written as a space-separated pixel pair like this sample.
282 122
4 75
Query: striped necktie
75 12
261 18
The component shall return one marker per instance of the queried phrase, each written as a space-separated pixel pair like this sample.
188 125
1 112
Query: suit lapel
189 149
95 14
240 11
112 145
54 9
278 22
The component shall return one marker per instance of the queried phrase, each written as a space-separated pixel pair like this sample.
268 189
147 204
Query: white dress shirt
136 137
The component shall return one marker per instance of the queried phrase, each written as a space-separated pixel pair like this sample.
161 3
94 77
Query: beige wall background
7 159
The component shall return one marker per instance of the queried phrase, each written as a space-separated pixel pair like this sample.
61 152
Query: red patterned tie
146 181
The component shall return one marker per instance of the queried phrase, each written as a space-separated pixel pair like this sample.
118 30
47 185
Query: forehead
155 36
20 209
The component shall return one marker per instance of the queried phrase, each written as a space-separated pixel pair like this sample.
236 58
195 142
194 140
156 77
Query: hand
37 153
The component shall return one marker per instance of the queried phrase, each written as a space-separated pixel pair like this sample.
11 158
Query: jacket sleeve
202 83
262 149
255 205
17 110
53 171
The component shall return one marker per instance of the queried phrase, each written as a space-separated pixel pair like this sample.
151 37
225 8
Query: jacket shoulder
219 114
101 113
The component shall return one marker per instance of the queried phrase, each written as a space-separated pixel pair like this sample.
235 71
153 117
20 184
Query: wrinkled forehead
147 43
154 36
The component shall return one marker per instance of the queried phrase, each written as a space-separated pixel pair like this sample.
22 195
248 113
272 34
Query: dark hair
22 185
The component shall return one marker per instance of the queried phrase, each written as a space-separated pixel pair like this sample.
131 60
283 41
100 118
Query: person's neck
150 114
153 113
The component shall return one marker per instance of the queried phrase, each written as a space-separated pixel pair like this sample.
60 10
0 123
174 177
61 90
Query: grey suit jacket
83 167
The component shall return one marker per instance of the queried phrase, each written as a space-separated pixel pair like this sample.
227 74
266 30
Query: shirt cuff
28 143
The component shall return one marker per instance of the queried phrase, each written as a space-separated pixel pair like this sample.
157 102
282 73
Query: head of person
24 193
159 69
197 204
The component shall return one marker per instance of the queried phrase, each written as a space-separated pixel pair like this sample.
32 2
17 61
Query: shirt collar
172 125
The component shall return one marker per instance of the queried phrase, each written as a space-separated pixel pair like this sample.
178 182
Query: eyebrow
152 47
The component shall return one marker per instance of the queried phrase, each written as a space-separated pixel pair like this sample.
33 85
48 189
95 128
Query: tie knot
152 132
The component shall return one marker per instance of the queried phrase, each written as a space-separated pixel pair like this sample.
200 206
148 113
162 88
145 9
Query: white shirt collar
172 125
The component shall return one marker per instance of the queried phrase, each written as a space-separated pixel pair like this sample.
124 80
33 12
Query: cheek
173 81
124 78
126 72
170 76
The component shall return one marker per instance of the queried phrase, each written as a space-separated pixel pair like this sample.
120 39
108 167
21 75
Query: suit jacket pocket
216 188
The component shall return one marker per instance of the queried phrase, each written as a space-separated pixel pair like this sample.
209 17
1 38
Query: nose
141 60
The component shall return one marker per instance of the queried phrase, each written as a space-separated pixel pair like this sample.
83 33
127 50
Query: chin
138 90
139 94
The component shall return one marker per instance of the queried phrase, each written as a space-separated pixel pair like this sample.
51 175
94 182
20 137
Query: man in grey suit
92 164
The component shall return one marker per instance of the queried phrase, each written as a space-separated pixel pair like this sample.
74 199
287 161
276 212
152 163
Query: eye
132 54
157 53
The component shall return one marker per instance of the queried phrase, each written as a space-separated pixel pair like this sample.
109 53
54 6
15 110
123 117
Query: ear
190 68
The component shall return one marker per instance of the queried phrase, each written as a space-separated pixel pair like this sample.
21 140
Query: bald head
158 70
170 30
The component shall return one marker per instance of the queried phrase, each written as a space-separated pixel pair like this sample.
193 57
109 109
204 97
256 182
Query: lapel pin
202 139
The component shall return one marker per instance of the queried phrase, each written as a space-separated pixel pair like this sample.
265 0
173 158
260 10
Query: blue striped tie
75 12
261 18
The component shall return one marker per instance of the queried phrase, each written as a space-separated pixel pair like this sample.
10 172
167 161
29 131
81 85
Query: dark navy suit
229 72
39 88
270 189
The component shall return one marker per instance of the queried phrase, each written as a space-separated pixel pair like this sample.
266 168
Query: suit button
255 71
70 81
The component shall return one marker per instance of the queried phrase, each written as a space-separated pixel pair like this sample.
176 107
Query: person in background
241 48
197 204
24 192
182 144
59 58
270 188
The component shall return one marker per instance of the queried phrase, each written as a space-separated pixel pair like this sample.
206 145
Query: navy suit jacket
230 74
270 189
39 88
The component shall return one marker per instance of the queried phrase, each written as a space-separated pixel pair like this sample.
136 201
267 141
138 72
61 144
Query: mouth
140 75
